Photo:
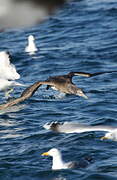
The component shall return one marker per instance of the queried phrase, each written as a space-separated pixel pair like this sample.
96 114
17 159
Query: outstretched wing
74 127
27 93
88 74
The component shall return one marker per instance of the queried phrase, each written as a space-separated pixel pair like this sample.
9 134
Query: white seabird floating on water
70 127
58 163
31 47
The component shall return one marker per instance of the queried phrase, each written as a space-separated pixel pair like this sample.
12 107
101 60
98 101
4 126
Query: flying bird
8 74
62 83
70 127
58 163
7 69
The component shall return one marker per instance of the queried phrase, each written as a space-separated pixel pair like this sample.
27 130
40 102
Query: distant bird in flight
7 69
31 47
8 74
62 83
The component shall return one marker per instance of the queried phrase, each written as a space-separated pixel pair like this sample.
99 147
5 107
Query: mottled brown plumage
61 83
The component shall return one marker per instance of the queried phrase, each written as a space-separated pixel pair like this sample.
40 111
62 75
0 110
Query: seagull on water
58 163
31 47
70 127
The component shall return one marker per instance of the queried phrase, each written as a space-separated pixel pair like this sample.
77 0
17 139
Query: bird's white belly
54 88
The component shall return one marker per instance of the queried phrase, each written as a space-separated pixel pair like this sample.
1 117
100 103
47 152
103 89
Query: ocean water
79 37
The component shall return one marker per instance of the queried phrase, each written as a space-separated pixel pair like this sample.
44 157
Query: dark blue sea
82 36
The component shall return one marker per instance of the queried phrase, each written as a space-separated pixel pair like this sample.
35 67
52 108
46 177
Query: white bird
7 70
58 163
31 47
57 159
8 73
70 127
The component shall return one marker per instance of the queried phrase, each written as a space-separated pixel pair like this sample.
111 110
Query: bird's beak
81 93
86 97
103 138
45 154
